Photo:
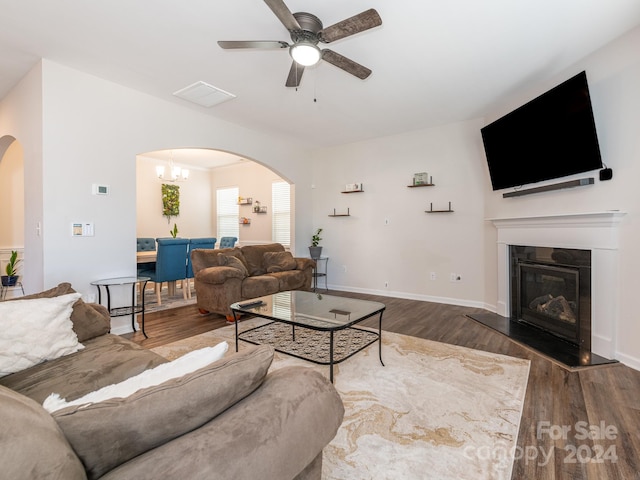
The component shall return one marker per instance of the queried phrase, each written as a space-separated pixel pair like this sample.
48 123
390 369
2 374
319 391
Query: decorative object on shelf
352 188
174 231
340 214
421 178
176 174
11 270
315 250
170 201
244 221
257 208
431 210
245 201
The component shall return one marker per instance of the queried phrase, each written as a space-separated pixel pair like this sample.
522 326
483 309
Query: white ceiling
433 62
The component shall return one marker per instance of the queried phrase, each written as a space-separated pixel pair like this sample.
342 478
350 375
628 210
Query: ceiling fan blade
252 44
345 64
284 14
295 75
356 24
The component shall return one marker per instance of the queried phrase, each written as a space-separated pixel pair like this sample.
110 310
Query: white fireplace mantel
594 231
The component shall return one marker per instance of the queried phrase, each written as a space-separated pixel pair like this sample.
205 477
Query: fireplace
551 290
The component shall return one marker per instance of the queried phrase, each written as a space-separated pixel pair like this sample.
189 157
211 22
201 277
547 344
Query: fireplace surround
593 232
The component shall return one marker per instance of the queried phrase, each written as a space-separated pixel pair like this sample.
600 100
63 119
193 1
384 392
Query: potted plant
11 277
315 250
174 232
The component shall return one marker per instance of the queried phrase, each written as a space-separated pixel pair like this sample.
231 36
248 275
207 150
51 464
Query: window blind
227 212
281 213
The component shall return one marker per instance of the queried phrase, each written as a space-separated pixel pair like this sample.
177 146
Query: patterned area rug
433 411
167 301
310 344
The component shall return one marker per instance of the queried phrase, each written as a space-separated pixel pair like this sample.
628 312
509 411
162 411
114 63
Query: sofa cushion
289 280
105 360
278 262
233 262
254 254
33 331
109 433
188 363
31 443
259 286
89 320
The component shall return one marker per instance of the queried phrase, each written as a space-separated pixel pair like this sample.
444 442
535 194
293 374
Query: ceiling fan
306 32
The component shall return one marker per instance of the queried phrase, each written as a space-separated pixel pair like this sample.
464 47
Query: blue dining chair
145 244
227 242
171 264
194 243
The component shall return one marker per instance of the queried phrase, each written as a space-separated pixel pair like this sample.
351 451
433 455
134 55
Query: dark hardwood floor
576 424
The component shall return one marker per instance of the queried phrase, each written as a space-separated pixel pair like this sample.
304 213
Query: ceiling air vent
204 94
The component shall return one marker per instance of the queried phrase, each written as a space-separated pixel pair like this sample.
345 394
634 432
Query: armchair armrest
304 263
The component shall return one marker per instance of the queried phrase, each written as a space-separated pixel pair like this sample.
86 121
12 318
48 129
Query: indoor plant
11 277
315 250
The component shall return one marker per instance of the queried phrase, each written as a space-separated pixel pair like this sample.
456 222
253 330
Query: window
227 215
281 213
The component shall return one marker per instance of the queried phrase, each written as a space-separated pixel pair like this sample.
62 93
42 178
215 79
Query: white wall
613 74
364 253
93 131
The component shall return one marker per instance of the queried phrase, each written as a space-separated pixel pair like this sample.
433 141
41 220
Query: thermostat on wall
100 189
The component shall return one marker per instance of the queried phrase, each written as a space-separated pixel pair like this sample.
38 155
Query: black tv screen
552 136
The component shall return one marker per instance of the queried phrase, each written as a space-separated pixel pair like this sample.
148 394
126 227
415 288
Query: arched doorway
12 201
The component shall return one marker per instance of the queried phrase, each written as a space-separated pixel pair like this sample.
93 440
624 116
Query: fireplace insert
551 289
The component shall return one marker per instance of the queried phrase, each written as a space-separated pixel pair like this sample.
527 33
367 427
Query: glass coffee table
315 327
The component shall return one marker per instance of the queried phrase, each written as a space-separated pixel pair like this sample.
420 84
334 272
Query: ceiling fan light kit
305 53
306 32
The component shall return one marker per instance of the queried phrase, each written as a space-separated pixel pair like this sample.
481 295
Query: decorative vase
9 280
315 252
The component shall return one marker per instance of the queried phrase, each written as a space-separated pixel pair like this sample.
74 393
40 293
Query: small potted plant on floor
11 277
315 250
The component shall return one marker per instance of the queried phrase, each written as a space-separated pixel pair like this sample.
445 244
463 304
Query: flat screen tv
552 136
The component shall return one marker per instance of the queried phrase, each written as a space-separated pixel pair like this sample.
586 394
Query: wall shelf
244 221
352 191
422 185
245 201
431 210
340 214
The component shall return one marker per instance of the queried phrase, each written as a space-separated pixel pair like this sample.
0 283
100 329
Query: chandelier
175 174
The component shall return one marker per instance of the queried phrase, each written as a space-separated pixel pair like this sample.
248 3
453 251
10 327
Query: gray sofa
230 420
228 275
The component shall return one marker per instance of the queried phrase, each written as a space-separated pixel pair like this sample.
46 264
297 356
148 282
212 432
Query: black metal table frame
331 331
123 311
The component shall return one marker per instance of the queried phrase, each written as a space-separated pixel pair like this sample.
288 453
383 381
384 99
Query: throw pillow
278 262
33 331
31 443
107 434
188 363
233 262
89 320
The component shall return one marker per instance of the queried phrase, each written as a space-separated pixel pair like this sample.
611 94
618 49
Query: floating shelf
352 191
245 201
259 209
431 210
244 221
428 184
340 214
422 185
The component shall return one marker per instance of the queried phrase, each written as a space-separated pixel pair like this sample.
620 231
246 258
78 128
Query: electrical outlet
433 276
